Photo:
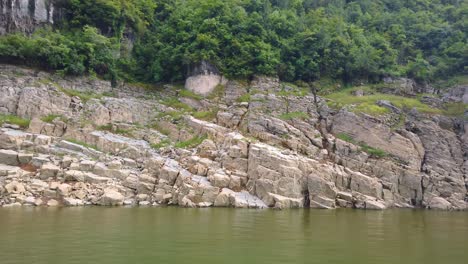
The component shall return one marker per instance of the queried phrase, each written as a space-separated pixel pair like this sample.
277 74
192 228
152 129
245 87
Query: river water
179 235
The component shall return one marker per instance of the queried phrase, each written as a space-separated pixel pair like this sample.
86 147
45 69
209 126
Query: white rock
72 202
111 197
52 203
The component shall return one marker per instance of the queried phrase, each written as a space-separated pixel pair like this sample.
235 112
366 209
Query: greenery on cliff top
355 41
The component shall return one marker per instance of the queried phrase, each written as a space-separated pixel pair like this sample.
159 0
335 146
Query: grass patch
51 117
174 115
191 143
81 143
245 98
109 94
190 94
294 115
373 152
84 96
111 129
217 92
125 132
175 103
453 81
160 129
455 109
162 144
14 120
366 103
107 127
295 91
206 115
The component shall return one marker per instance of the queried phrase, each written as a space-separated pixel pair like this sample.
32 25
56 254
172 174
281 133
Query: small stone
52 203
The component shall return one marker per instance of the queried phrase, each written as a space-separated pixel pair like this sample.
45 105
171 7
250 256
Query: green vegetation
191 143
190 94
81 143
51 117
175 103
161 130
294 115
218 92
293 91
174 115
84 96
206 115
308 40
14 120
107 127
162 144
345 137
455 109
373 152
244 98
367 103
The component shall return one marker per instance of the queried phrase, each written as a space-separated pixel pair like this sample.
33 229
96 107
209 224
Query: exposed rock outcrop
25 15
89 144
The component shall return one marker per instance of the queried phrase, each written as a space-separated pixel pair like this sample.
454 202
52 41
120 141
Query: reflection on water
178 235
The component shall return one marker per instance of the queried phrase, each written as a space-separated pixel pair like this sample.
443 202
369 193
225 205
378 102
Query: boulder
49 170
111 198
9 157
439 203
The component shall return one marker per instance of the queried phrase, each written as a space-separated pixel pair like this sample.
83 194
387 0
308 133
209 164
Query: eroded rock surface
267 145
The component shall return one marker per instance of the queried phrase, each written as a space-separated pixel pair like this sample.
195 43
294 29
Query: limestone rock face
203 79
276 147
24 15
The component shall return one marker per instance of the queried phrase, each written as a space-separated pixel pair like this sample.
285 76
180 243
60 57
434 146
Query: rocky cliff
25 15
251 145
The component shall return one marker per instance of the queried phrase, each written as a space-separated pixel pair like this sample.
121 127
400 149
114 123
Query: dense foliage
295 39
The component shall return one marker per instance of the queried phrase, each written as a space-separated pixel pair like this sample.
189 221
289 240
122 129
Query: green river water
178 235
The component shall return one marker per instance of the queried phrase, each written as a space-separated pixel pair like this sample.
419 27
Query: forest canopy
353 41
